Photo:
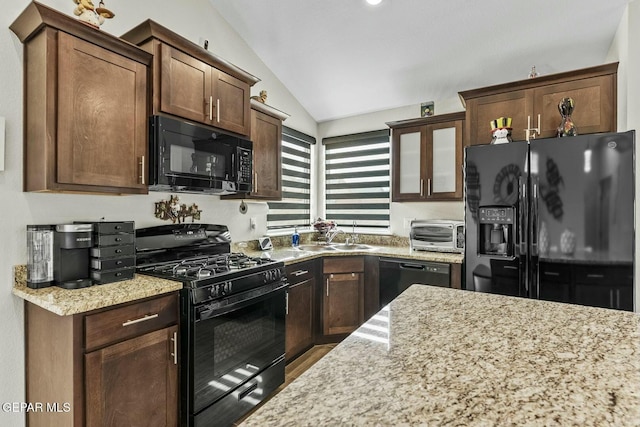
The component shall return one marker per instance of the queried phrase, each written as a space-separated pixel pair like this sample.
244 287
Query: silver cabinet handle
300 272
421 187
595 276
551 273
210 107
218 110
142 170
175 348
142 319
429 187
510 267
286 303
327 287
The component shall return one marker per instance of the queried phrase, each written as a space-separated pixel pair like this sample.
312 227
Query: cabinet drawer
113 227
110 276
112 263
112 251
113 239
555 273
343 265
596 275
122 323
298 273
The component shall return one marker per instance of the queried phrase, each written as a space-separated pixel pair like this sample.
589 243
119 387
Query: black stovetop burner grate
207 266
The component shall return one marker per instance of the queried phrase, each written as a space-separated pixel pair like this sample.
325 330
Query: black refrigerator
552 219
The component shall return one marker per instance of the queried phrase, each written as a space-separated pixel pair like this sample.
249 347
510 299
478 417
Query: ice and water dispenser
497 230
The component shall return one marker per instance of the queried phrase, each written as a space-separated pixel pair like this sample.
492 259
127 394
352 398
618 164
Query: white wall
190 18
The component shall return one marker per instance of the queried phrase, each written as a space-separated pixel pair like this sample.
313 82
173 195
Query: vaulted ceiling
344 57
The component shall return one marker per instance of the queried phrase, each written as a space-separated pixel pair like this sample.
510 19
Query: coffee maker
71 246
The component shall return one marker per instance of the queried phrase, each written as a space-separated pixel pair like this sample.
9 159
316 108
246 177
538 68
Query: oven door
234 343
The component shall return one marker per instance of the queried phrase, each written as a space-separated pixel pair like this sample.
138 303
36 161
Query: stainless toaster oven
441 235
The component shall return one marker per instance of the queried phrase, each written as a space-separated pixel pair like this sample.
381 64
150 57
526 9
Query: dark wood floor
294 369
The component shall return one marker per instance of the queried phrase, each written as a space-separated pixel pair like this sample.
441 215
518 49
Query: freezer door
582 220
495 183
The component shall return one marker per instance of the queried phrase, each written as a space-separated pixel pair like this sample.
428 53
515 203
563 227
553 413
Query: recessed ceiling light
373 2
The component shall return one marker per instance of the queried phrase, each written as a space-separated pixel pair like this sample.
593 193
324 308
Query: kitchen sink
315 248
353 247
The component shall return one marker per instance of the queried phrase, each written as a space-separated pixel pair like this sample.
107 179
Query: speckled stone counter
438 356
72 301
291 256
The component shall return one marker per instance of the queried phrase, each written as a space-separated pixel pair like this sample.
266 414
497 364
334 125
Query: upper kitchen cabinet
594 91
266 134
427 158
192 83
86 106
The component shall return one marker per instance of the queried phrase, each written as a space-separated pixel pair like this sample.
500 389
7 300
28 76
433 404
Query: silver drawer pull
142 319
551 273
595 276
510 267
300 272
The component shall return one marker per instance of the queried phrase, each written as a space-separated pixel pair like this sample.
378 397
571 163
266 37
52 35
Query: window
294 208
357 179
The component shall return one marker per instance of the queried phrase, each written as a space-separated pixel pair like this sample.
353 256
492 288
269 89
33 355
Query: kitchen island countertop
437 356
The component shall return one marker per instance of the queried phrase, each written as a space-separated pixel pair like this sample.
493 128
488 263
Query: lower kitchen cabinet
110 367
300 320
343 300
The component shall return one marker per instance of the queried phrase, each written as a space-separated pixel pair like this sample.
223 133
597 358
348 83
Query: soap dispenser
295 238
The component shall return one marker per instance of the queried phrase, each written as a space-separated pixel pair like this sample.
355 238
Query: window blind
294 208
357 179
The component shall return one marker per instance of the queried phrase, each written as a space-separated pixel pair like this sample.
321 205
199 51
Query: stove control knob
214 292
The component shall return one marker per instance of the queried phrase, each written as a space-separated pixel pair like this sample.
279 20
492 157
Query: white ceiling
343 57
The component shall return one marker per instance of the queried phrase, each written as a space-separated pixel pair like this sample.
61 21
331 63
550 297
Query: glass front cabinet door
427 158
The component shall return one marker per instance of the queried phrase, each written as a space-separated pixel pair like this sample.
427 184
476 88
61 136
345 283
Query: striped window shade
357 179
294 208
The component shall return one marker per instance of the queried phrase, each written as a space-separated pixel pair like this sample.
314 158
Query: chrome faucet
332 233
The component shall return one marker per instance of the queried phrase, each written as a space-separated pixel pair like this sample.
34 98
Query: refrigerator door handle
522 216
534 217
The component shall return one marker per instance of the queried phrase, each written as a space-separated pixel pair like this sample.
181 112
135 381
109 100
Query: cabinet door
102 117
444 161
299 323
134 382
409 163
343 308
594 103
185 86
266 134
481 111
232 107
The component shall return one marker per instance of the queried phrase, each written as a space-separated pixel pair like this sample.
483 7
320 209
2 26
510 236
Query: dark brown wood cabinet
266 135
300 321
115 366
343 290
86 106
427 158
192 83
594 91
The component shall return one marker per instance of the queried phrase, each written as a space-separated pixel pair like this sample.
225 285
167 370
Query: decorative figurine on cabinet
262 97
567 127
89 14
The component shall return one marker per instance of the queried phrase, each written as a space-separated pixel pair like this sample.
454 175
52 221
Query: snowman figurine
501 136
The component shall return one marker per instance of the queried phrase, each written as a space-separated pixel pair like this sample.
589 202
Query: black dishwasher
396 275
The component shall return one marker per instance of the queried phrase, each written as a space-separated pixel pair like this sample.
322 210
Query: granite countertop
292 256
73 301
437 356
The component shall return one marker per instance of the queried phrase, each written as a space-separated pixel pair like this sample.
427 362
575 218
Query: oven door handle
236 305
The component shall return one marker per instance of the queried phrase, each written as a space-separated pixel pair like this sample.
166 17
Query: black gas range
232 319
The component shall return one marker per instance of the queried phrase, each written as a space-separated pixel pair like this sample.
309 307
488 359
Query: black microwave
189 158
